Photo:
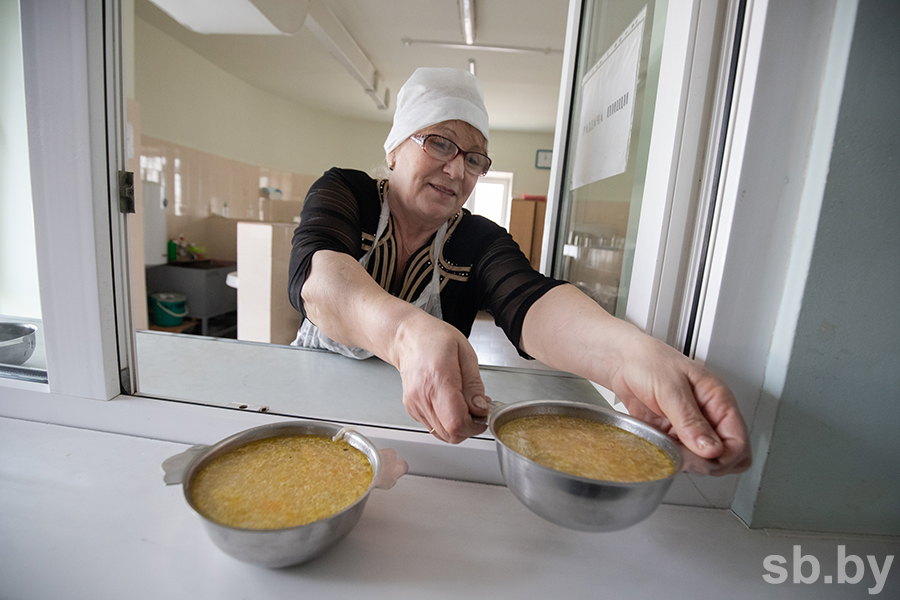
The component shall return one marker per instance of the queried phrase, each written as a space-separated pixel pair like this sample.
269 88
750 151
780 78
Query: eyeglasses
441 148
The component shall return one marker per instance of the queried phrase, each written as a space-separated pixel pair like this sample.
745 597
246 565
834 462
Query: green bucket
168 308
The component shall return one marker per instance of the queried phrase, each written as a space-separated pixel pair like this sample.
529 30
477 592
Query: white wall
19 294
185 99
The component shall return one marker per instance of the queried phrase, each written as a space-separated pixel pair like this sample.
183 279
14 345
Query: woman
397 269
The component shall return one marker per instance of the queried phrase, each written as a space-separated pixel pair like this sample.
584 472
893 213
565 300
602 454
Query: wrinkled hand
664 388
442 385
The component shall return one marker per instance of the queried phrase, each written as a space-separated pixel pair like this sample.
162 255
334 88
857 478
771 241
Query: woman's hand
442 385
658 385
661 386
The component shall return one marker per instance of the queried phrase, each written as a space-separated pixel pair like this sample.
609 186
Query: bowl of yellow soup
284 493
582 466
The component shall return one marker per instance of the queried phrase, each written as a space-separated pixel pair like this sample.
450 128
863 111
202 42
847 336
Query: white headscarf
434 95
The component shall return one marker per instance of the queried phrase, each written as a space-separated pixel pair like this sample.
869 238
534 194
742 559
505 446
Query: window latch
126 192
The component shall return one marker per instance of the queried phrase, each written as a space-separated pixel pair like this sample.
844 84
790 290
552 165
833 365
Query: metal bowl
293 545
578 502
17 341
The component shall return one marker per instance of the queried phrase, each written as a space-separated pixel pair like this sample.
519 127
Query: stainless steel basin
17 342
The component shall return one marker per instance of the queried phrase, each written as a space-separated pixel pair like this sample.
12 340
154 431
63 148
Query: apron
310 336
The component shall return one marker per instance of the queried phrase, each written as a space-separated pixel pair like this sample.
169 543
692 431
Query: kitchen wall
206 195
834 453
19 294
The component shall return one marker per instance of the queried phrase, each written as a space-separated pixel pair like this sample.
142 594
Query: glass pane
222 166
612 117
21 340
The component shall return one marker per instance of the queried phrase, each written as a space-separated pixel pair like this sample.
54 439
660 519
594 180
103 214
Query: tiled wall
207 195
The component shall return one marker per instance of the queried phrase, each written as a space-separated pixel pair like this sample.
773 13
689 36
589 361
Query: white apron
310 336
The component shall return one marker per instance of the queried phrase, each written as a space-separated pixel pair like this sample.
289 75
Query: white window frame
71 230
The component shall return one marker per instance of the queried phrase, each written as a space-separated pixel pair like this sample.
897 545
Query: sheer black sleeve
337 207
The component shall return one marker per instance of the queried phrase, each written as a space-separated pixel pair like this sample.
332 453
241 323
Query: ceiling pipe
486 48
467 18
335 37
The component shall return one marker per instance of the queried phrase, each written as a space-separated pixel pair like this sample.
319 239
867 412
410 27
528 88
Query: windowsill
105 526
474 460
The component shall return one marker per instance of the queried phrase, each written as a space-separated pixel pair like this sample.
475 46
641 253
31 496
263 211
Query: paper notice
607 110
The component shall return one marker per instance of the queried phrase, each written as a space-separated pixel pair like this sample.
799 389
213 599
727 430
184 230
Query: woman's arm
567 330
442 385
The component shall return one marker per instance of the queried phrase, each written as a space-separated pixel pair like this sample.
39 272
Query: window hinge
126 192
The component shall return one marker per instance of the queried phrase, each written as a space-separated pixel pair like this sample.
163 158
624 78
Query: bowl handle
493 406
392 468
175 467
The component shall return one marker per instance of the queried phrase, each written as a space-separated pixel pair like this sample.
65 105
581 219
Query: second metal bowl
578 502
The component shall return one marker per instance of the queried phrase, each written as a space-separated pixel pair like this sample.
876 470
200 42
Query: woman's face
430 191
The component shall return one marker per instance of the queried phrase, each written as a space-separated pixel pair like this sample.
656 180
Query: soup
585 448
281 482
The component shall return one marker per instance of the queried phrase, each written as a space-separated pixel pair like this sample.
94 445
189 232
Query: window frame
64 100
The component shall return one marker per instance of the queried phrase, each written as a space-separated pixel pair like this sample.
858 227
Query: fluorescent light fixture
250 17
467 17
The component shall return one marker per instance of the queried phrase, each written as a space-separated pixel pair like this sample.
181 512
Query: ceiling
521 89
